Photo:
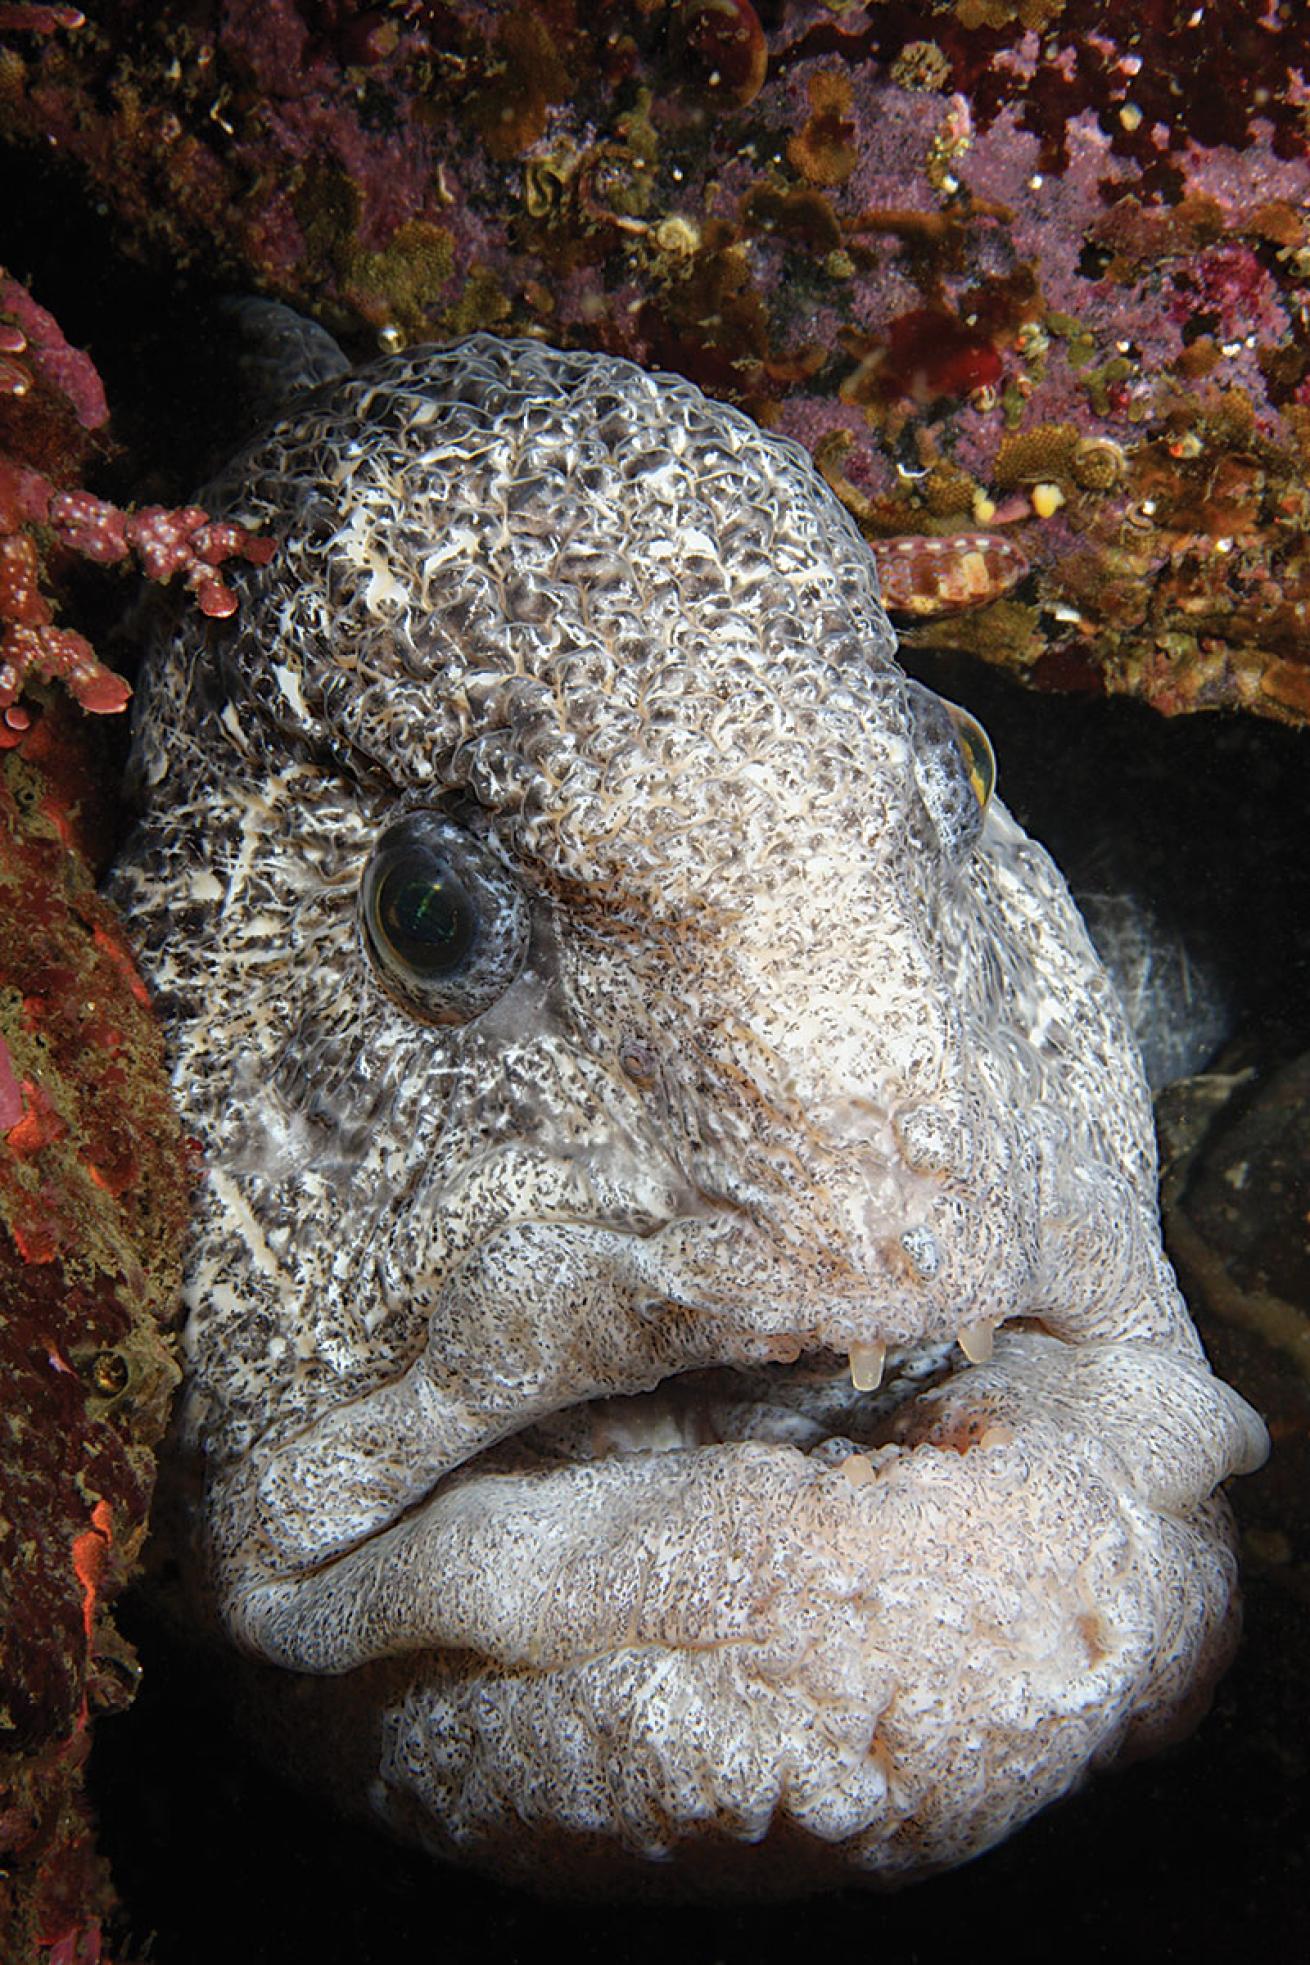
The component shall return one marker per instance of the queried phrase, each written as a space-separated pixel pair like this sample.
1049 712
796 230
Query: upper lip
680 1303
340 1610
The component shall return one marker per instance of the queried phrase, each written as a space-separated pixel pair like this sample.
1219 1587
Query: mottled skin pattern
789 1057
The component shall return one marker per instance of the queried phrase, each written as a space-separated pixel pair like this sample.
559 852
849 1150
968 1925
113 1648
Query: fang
867 1361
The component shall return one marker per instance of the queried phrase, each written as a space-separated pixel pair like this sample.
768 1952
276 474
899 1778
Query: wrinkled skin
521 1305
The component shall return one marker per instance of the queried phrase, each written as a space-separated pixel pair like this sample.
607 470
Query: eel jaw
895 1646
540 1317
770 1595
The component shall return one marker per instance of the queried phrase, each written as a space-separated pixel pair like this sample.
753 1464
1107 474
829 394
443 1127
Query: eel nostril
638 1062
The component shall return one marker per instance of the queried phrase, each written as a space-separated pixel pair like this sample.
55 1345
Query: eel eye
445 924
954 765
976 750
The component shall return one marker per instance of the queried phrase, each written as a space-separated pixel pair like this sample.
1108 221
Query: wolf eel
689 1388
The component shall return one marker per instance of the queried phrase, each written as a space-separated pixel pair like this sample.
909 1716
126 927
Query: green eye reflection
976 750
424 914
446 925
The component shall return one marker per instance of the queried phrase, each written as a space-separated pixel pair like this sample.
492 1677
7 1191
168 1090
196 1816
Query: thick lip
669 1308
532 1556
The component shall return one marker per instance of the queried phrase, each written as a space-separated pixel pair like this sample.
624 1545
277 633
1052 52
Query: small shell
927 577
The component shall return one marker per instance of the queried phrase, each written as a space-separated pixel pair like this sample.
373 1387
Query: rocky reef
93 1199
1029 267
94 1173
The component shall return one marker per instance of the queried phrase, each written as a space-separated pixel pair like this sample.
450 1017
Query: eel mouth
618 1447
826 1405
542 1547
888 1624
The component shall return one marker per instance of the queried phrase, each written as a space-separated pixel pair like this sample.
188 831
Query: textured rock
93 1202
1040 268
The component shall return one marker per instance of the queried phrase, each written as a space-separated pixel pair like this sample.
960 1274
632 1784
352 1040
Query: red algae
52 406
93 1177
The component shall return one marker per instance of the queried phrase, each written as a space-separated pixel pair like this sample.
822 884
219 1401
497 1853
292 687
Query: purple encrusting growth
1110 209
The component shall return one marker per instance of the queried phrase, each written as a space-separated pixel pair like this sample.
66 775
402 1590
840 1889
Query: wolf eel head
680 1343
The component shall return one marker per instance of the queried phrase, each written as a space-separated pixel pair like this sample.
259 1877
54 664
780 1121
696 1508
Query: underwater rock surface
1039 270
94 1191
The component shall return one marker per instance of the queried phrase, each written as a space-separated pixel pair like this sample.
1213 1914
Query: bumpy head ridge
679 1335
